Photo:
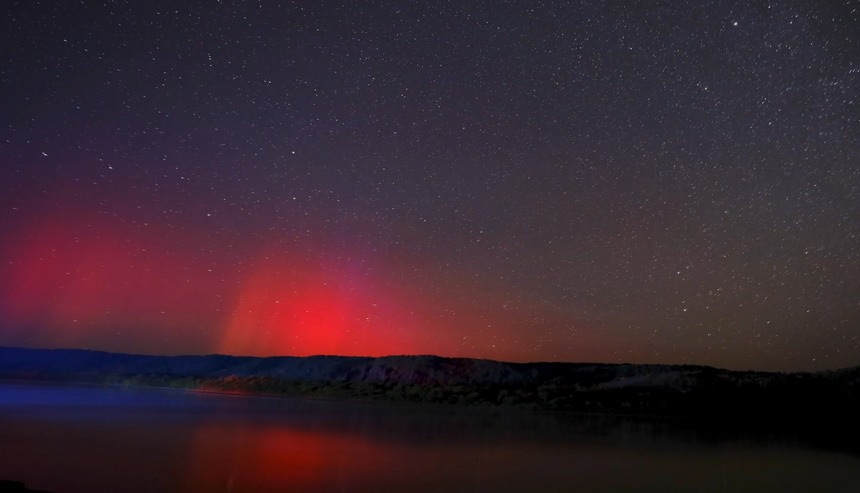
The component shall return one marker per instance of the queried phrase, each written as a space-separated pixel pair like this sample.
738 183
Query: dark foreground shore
7 486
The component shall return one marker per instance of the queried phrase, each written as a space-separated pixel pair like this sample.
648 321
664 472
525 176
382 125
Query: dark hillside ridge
831 397
403 370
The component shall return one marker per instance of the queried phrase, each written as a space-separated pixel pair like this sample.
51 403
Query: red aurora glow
289 304
83 280
81 283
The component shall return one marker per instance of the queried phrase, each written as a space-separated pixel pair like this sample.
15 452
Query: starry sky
612 181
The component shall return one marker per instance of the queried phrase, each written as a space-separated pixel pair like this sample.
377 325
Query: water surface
87 439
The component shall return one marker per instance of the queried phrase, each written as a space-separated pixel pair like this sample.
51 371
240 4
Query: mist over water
87 439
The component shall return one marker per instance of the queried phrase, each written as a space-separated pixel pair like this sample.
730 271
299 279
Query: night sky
620 181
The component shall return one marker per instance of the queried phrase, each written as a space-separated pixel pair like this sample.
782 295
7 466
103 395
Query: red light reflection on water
260 459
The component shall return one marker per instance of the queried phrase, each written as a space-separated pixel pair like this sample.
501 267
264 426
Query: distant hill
665 390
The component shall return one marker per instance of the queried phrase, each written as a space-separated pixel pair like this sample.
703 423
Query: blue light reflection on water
81 396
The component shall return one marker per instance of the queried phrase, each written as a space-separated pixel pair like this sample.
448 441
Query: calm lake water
84 439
